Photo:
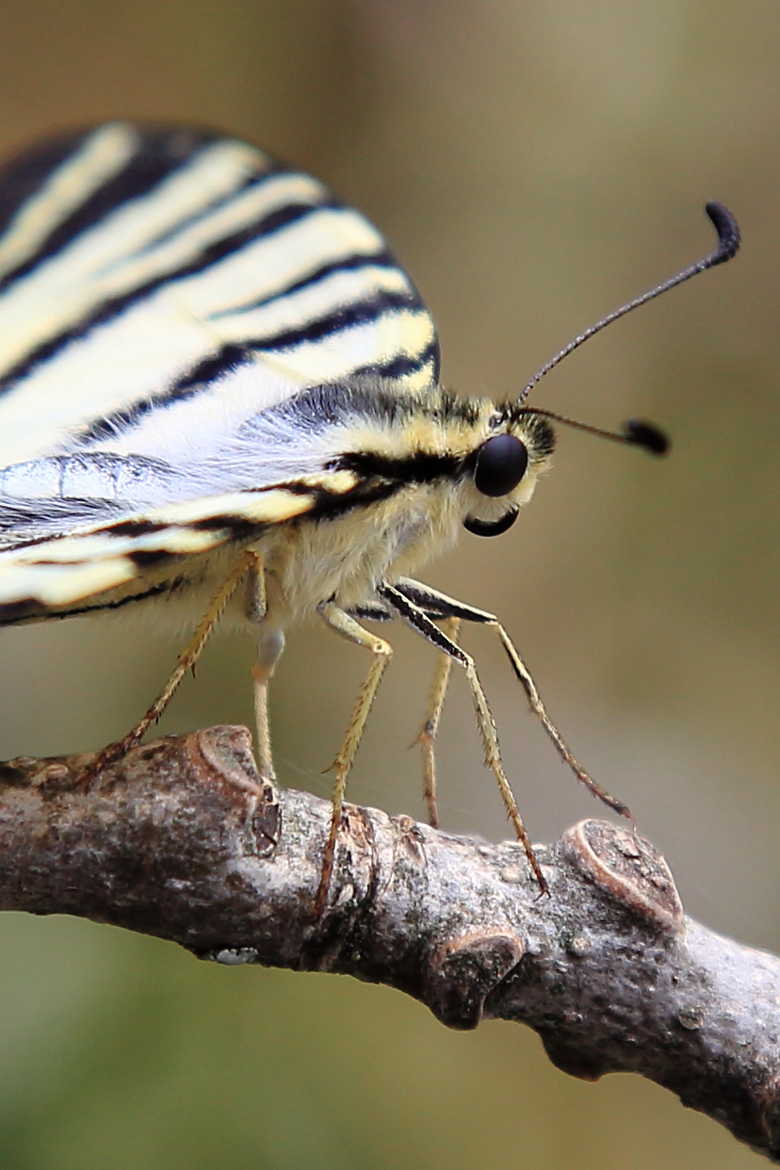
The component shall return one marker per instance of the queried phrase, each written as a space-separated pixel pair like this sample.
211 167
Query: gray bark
183 840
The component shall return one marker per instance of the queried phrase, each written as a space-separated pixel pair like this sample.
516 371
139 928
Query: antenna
729 238
635 431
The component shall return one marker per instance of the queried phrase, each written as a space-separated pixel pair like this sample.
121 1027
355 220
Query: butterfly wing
98 566
160 289
158 285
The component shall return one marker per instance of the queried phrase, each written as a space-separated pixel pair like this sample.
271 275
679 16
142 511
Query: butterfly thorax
413 464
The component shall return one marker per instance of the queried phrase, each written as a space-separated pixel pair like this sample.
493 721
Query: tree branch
183 840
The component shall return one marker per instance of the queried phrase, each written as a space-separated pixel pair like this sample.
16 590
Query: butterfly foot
89 776
328 860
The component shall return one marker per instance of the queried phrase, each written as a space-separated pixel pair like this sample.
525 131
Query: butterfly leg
436 603
374 611
347 627
450 627
270 645
186 661
419 620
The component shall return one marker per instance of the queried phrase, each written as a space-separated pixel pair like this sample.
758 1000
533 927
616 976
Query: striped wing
159 290
99 568
153 279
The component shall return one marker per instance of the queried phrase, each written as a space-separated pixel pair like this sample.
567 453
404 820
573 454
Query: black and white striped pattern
164 293
155 281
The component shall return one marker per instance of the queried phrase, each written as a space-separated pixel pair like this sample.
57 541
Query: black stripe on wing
404 364
345 317
218 250
23 175
210 370
29 609
159 155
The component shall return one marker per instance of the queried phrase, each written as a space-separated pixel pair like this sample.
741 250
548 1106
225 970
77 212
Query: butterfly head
504 469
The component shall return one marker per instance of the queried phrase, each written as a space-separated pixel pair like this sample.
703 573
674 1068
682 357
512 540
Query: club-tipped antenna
636 432
729 238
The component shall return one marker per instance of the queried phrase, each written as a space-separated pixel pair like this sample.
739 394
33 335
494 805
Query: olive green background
533 165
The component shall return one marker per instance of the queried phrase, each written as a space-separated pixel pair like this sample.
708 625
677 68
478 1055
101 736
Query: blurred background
533 165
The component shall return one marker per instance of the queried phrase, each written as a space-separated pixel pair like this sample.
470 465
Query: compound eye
501 464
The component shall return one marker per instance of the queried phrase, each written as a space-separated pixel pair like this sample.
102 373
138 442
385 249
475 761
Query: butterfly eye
501 464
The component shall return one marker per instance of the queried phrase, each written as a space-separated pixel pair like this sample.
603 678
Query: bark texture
183 840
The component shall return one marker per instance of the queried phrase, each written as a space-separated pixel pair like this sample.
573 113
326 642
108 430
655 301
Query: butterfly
220 399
